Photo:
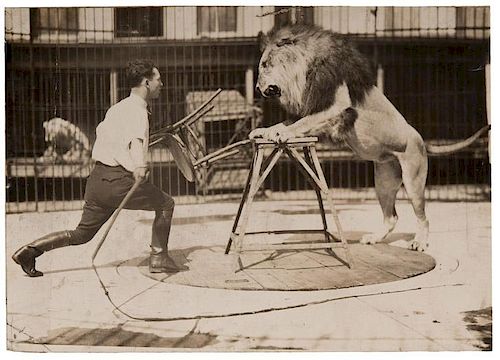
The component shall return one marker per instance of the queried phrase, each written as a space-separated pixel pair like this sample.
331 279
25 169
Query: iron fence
68 64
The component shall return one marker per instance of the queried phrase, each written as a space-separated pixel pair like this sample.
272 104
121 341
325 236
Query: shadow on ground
119 337
481 323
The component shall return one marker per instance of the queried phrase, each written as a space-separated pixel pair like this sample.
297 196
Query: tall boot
159 260
26 255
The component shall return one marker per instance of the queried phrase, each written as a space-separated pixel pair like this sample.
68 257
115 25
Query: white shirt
124 122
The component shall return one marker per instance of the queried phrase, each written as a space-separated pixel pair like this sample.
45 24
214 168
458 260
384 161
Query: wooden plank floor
294 269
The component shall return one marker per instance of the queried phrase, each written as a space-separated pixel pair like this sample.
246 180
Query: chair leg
335 216
240 209
245 212
309 160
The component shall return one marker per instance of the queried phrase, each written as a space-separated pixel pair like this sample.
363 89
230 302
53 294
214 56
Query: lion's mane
329 60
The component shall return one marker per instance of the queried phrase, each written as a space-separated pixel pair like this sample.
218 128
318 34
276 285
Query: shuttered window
53 21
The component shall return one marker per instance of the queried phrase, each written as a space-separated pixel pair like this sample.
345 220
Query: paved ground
448 308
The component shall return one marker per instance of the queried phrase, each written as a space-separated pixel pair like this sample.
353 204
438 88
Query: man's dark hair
138 70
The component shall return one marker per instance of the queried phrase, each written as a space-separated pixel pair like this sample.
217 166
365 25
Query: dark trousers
106 187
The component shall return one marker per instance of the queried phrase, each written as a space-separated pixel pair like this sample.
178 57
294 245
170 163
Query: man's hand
141 173
276 133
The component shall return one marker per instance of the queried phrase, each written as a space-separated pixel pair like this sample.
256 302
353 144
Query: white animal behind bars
65 141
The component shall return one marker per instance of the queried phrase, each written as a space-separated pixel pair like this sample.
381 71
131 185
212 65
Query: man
120 153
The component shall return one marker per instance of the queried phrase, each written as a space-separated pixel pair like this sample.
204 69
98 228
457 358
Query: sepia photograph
251 179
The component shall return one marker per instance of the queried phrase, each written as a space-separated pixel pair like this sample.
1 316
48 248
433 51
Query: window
138 21
53 21
216 19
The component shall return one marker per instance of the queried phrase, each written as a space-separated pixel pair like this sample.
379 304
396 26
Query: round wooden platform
292 269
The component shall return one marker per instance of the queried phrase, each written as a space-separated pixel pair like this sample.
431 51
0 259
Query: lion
321 77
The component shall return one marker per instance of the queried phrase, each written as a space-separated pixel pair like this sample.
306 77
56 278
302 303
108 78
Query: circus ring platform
280 269
291 270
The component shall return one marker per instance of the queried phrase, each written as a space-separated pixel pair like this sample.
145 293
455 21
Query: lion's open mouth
272 91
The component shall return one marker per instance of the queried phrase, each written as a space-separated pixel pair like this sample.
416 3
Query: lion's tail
448 149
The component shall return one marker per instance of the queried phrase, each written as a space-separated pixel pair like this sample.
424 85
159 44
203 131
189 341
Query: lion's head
304 65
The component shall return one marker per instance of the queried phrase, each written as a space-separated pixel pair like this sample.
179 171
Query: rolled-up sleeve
136 129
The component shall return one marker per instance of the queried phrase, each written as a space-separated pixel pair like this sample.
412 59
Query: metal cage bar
72 67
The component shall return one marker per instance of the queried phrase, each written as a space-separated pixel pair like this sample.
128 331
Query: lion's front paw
276 133
257 133
279 134
370 239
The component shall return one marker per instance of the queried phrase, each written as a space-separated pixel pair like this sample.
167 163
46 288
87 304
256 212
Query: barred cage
65 68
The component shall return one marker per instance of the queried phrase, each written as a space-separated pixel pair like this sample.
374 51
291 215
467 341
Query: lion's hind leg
414 166
388 180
